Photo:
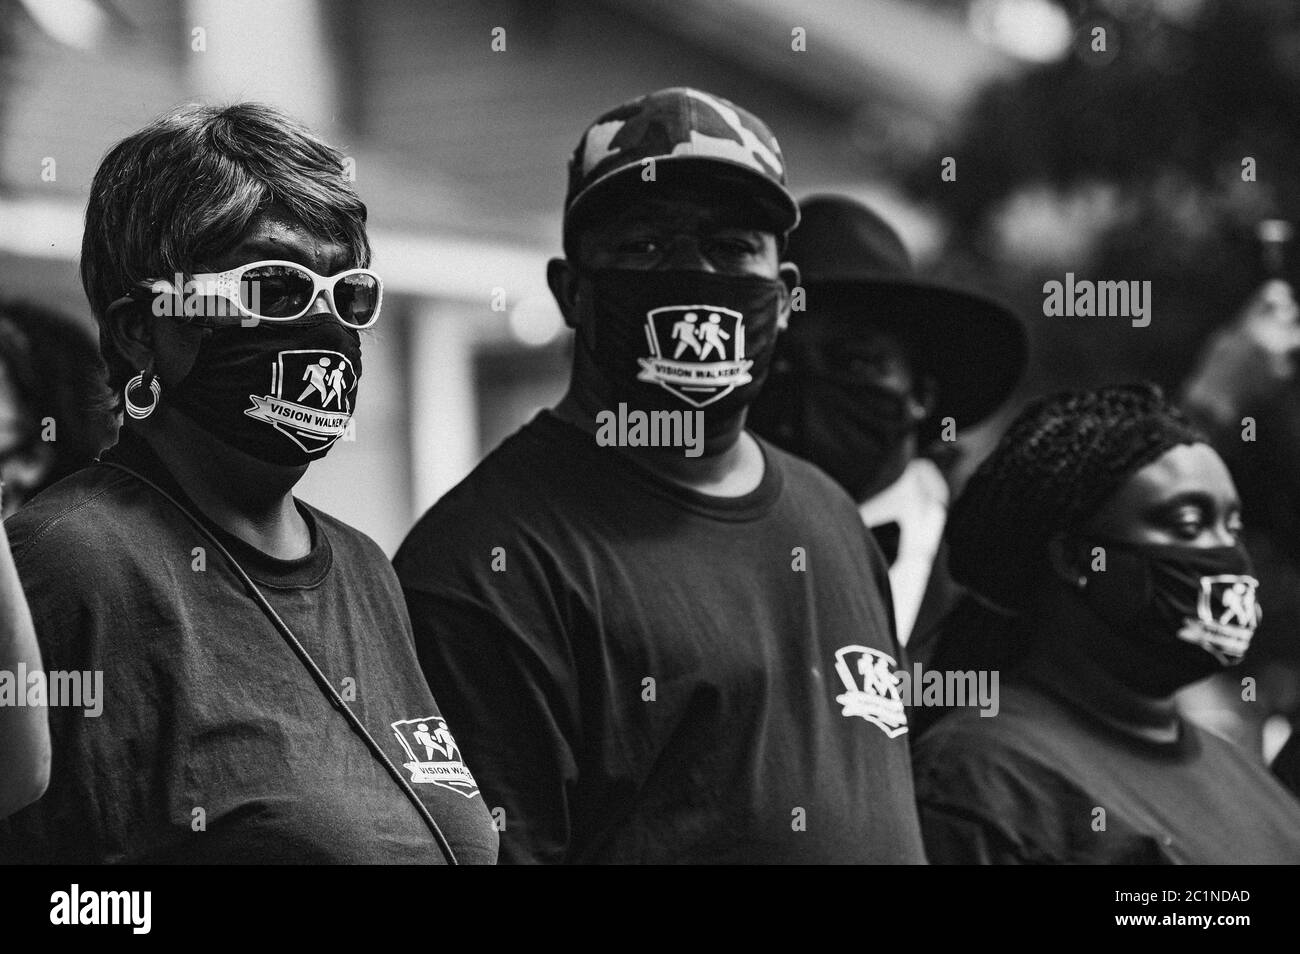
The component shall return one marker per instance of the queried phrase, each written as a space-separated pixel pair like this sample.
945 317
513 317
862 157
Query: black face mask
282 393
678 340
853 430
1175 614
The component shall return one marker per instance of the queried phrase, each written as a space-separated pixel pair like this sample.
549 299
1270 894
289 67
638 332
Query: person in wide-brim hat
870 372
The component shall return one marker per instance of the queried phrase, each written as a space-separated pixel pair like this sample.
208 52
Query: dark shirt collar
133 451
1063 669
753 505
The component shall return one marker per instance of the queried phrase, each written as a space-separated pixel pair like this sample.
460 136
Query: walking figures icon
319 414
1227 615
693 334
432 755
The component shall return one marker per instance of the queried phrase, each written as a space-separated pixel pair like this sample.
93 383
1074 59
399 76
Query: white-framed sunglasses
284 291
273 290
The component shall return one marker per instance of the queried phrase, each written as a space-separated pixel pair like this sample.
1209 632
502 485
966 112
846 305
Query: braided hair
1058 462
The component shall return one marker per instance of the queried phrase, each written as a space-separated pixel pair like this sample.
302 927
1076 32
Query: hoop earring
144 379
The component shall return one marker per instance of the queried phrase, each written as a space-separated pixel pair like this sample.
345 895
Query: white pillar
444 403
270 52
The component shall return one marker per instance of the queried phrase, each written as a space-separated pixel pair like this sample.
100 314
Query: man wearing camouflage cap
661 638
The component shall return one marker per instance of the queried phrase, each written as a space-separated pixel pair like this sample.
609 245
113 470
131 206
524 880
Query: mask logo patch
433 756
1227 615
871 688
308 401
697 352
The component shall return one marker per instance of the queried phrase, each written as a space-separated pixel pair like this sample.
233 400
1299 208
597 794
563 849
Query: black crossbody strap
301 652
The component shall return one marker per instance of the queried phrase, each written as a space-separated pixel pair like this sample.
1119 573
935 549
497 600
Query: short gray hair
184 189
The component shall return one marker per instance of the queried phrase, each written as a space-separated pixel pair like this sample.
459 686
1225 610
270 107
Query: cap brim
773 206
975 347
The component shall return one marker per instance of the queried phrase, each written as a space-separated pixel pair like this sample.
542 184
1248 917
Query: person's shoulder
508 489
814 501
518 473
88 511
354 546
344 536
802 477
968 734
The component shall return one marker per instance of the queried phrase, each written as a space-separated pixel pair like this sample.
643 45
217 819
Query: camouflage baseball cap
692 136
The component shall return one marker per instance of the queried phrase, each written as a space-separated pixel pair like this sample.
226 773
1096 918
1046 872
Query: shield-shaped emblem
1227 615
432 755
696 351
871 688
310 398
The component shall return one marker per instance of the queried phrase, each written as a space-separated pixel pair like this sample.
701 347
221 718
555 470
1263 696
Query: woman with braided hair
1105 529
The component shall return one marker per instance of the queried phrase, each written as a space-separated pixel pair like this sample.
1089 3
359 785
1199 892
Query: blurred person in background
1244 393
54 418
24 729
667 653
224 258
55 415
1170 162
863 379
1108 530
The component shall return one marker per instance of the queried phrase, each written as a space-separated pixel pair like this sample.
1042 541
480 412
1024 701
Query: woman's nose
321 306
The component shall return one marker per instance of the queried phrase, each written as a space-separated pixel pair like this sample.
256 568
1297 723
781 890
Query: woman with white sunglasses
262 701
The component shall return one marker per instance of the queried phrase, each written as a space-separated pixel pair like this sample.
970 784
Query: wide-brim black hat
853 265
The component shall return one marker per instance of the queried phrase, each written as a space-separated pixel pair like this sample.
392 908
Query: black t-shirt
1045 782
643 673
214 743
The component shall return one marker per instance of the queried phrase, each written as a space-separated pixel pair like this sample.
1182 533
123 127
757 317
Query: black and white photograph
649 433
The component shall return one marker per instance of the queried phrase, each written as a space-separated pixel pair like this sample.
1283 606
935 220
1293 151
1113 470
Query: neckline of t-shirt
301 573
1073 692
751 506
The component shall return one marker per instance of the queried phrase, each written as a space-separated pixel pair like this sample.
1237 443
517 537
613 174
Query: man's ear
1066 562
789 273
562 278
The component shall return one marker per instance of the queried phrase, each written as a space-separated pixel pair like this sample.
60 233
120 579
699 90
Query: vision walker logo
682 339
881 693
1227 616
876 697
319 414
433 755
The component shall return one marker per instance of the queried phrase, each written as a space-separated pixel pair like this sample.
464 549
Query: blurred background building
460 155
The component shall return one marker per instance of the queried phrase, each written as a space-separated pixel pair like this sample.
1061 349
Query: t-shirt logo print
697 352
433 755
871 688
309 401
1227 616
